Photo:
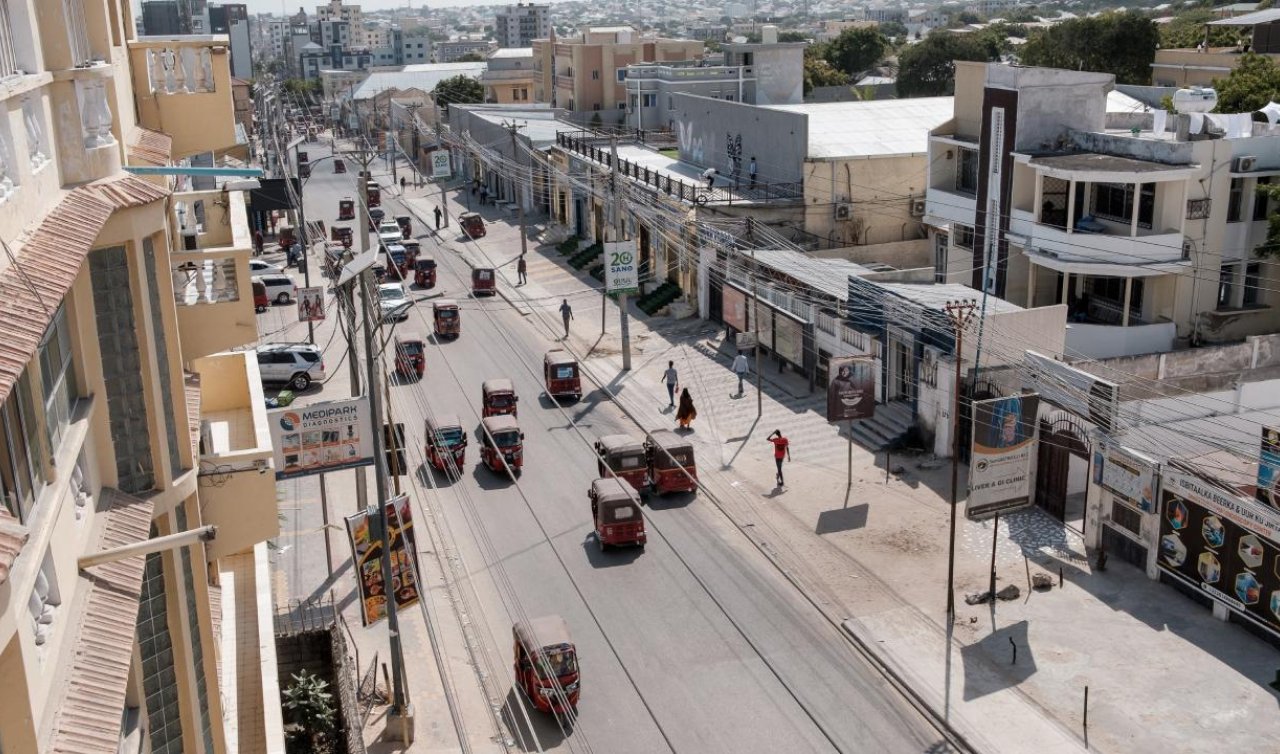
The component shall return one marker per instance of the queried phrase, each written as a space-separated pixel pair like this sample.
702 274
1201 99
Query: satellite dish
1195 99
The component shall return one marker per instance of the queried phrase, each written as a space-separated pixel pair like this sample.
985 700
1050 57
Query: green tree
1253 83
309 715
928 69
893 29
856 50
1120 43
818 72
471 57
792 36
1187 30
458 90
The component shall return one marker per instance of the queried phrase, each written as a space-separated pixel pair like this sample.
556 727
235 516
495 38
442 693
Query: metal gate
1060 438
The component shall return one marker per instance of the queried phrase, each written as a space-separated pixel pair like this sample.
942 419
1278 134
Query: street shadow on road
842 519
669 502
531 729
614 556
489 479
398 379
999 661
743 439
430 476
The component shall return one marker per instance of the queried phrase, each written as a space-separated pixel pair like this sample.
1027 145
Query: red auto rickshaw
286 237
472 224
373 193
546 664
560 373
411 355
501 441
625 457
339 165
446 443
616 513
341 233
498 397
406 225
261 301
424 271
671 464
484 281
346 208
448 321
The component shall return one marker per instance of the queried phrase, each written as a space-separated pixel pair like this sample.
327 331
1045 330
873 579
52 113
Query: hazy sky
291 6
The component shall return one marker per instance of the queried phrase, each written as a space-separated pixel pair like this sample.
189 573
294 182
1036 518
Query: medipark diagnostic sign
328 436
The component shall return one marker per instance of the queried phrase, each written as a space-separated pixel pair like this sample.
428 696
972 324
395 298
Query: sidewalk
1162 673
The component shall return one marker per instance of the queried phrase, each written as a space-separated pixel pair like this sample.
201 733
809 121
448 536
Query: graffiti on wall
690 146
733 145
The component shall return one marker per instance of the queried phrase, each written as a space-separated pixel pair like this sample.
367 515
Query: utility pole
302 234
364 157
392 155
619 233
959 312
444 205
513 127
755 297
414 149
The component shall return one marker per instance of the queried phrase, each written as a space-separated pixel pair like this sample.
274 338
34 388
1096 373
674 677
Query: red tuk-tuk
374 194
671 464
560 373
411 355
398 259
261 301
546 664
339 165
424 271
625 457
472 224
342 234
446 443
346 208
501 440
616 512
286 236
406 225
498 397
447 319
375 218
484 281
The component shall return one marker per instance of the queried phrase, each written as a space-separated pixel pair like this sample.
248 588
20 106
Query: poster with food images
366 550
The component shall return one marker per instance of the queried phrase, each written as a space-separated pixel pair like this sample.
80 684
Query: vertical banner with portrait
311 304
367 553
851 391
1005 434
1269 468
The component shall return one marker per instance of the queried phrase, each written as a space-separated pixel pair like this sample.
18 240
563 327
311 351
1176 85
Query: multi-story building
1145 225
233 21
161 17
510 76
587 72
1199 66
336 10
454 50
118 397
518 25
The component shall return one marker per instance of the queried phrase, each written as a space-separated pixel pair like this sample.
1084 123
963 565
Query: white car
294 364
280 288
259 267
389 233
393 304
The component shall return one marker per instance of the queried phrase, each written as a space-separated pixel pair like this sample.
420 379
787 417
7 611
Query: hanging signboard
441 167
734 309
1127 476
851 391
366 549
1005 432
1269 468
621 268
746 341
326 436
788 338
311 304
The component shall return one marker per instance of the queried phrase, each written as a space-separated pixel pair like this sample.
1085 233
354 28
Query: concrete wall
1195 370
903 255
1106 341
875 187
1006 335
704 126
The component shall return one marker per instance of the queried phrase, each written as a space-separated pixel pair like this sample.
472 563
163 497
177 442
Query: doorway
1062 469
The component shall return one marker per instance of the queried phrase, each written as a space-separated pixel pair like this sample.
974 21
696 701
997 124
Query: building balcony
513 75
1097 246
182 87
1100 341
689 73
237 480
210 266
564 82
943 206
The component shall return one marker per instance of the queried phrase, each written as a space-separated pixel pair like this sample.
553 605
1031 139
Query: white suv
280 288
294 364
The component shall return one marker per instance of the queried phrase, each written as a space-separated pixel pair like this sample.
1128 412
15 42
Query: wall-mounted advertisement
327 436
367 553
1269 468
1005 435
1223 544
621 267
851 391
735 308
311 304
440 166
788 338
1127 476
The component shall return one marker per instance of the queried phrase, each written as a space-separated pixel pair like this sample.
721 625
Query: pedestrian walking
752 169
672 379
686 413
484 195
257 242
740 368
522 271
566 313
437 214
709 175
271 220
781 450
402 184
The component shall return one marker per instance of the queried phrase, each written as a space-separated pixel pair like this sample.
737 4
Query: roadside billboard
1268 490
325 436
366 550
621 267
851 391
1005 434
440 165
788 338
1127 476
734 309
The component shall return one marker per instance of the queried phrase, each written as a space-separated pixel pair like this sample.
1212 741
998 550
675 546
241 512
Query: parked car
392 302
294 364
280 288
259 267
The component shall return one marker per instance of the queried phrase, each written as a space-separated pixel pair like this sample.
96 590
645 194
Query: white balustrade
181 70
95 113
37 147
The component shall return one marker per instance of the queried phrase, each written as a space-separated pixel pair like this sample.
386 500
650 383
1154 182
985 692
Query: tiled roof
151 147
12 537
88 717
49 261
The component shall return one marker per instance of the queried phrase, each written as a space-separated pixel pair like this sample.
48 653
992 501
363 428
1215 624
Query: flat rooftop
879 128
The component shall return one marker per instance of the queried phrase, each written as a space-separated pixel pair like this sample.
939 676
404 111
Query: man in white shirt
741 369
671 379
709 175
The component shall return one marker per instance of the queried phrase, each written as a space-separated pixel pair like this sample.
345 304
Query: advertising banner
366 550
851 391
1126 475
1075 390
326 436
1005 434
440 165
1269 468
746 341
1217 542
311 304
621 267
734 308
788 338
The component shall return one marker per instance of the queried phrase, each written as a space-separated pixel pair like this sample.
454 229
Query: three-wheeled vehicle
286 237
398 260
624 456
500 439
447 318
446 439
484 282
424 271
373 193
346 208
411 355
671 464
261 302
375 218
546 664
406 225
339 165
498 396
560 373
472 224
342 234
616 512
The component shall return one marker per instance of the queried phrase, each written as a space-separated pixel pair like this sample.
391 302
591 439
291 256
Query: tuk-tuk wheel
600 542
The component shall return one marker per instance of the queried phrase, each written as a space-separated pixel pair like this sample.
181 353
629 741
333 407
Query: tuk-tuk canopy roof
547 631
425 262
501 423
443 421
444 303
468 215
621 444
409 337
614 489
559 356
665 438
499 385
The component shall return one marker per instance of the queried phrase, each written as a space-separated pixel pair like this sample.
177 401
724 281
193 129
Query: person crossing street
566 313
671 378
741 369
781 450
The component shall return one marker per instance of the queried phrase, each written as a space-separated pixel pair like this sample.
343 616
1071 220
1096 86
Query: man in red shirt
781 449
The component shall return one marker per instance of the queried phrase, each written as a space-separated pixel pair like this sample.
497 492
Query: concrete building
119 397
587 72
1259 32
518 25
233 21
336 10
510 77
454 50
1145 225
161 17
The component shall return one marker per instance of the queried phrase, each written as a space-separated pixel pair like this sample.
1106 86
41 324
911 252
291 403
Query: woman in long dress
686 413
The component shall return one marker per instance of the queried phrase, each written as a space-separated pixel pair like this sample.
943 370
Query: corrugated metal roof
151 147
49 261
872 128
88 712
1249 19
13 536
829 276
423 77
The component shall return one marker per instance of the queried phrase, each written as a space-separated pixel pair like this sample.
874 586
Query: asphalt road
696 643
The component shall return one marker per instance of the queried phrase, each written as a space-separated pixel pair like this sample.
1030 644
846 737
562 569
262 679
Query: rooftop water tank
1195 99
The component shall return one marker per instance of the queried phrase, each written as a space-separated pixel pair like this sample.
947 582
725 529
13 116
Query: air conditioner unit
844 211
1244 164
1187 248
917 207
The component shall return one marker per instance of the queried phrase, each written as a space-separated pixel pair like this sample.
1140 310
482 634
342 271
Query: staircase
586 256
891 421
659 297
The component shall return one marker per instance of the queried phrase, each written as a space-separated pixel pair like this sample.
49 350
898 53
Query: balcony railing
78 33
95 112
177 70
8 56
